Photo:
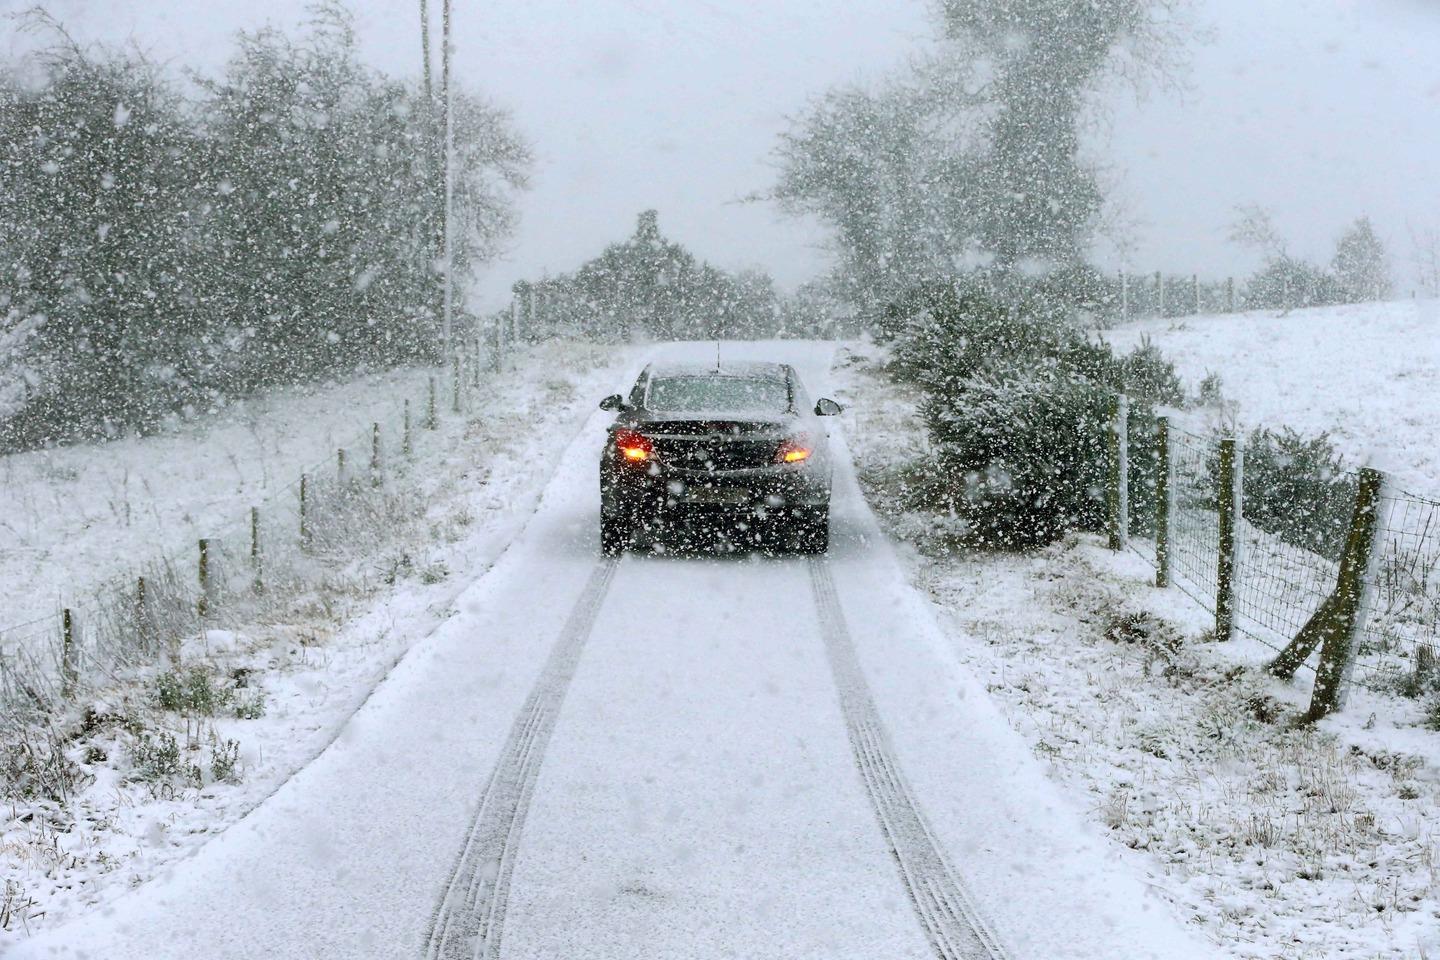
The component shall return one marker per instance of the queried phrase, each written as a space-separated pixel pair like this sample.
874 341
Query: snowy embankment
313 662
1367 374
1277 842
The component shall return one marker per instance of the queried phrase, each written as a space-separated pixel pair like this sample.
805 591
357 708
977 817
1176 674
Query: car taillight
795 450
635 447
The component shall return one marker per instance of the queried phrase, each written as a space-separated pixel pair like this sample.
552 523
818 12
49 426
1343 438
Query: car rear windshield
718 395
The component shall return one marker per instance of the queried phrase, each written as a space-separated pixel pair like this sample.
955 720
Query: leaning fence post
1120 473
304 513
202 605
1164 472
258 583
69 673
1353 588
1230 497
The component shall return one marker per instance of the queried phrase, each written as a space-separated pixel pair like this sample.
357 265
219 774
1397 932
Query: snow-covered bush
1019 403
1025 448
1145 374
1298 488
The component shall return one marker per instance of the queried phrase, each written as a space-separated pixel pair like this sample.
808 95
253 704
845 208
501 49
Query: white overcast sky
1319 109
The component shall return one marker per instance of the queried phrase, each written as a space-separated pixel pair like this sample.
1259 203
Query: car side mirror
613 402
825 407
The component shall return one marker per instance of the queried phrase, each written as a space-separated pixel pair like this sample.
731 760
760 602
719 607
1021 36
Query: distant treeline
650 287
164 247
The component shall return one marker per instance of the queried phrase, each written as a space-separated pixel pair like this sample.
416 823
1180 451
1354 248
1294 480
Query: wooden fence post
1120 473
405 444
202 605
1351 604
141 615
1230 497
374 454
1164 474
69 672
304 513
258 584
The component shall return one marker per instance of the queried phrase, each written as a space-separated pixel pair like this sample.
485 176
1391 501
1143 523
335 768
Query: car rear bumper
732 493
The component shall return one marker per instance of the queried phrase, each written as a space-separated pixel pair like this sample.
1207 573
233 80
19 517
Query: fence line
1372 611
132 620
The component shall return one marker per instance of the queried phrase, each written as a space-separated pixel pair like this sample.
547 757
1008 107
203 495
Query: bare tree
1425 255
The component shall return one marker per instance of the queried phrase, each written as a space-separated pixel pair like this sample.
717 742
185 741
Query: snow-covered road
678 757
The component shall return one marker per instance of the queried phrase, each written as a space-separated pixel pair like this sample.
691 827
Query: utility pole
447 92
425 49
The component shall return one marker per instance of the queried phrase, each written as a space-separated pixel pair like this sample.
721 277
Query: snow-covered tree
97 167
159 253
973 157
650 286
1360 266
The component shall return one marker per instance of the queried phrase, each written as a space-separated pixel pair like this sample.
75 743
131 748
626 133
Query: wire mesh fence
1402 635
1194 519
1288 565
342 505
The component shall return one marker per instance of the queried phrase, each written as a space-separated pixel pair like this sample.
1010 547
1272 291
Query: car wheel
614 534
811 530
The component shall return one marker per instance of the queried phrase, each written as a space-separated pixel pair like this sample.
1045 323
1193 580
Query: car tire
811 530
614 534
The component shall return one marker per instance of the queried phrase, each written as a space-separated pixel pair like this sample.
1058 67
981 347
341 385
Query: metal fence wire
1401 637
1283 574
1194 521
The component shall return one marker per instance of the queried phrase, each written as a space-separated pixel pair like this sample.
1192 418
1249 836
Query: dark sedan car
735 445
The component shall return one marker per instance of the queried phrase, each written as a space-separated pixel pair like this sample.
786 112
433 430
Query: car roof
751 369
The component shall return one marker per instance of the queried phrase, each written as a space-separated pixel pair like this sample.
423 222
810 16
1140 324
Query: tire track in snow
470 916
943 904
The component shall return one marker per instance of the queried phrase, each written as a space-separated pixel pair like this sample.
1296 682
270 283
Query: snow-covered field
73 517
312 668
1275 841
1368 374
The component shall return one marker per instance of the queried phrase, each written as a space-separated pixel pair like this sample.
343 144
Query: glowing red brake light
795 450
635 447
